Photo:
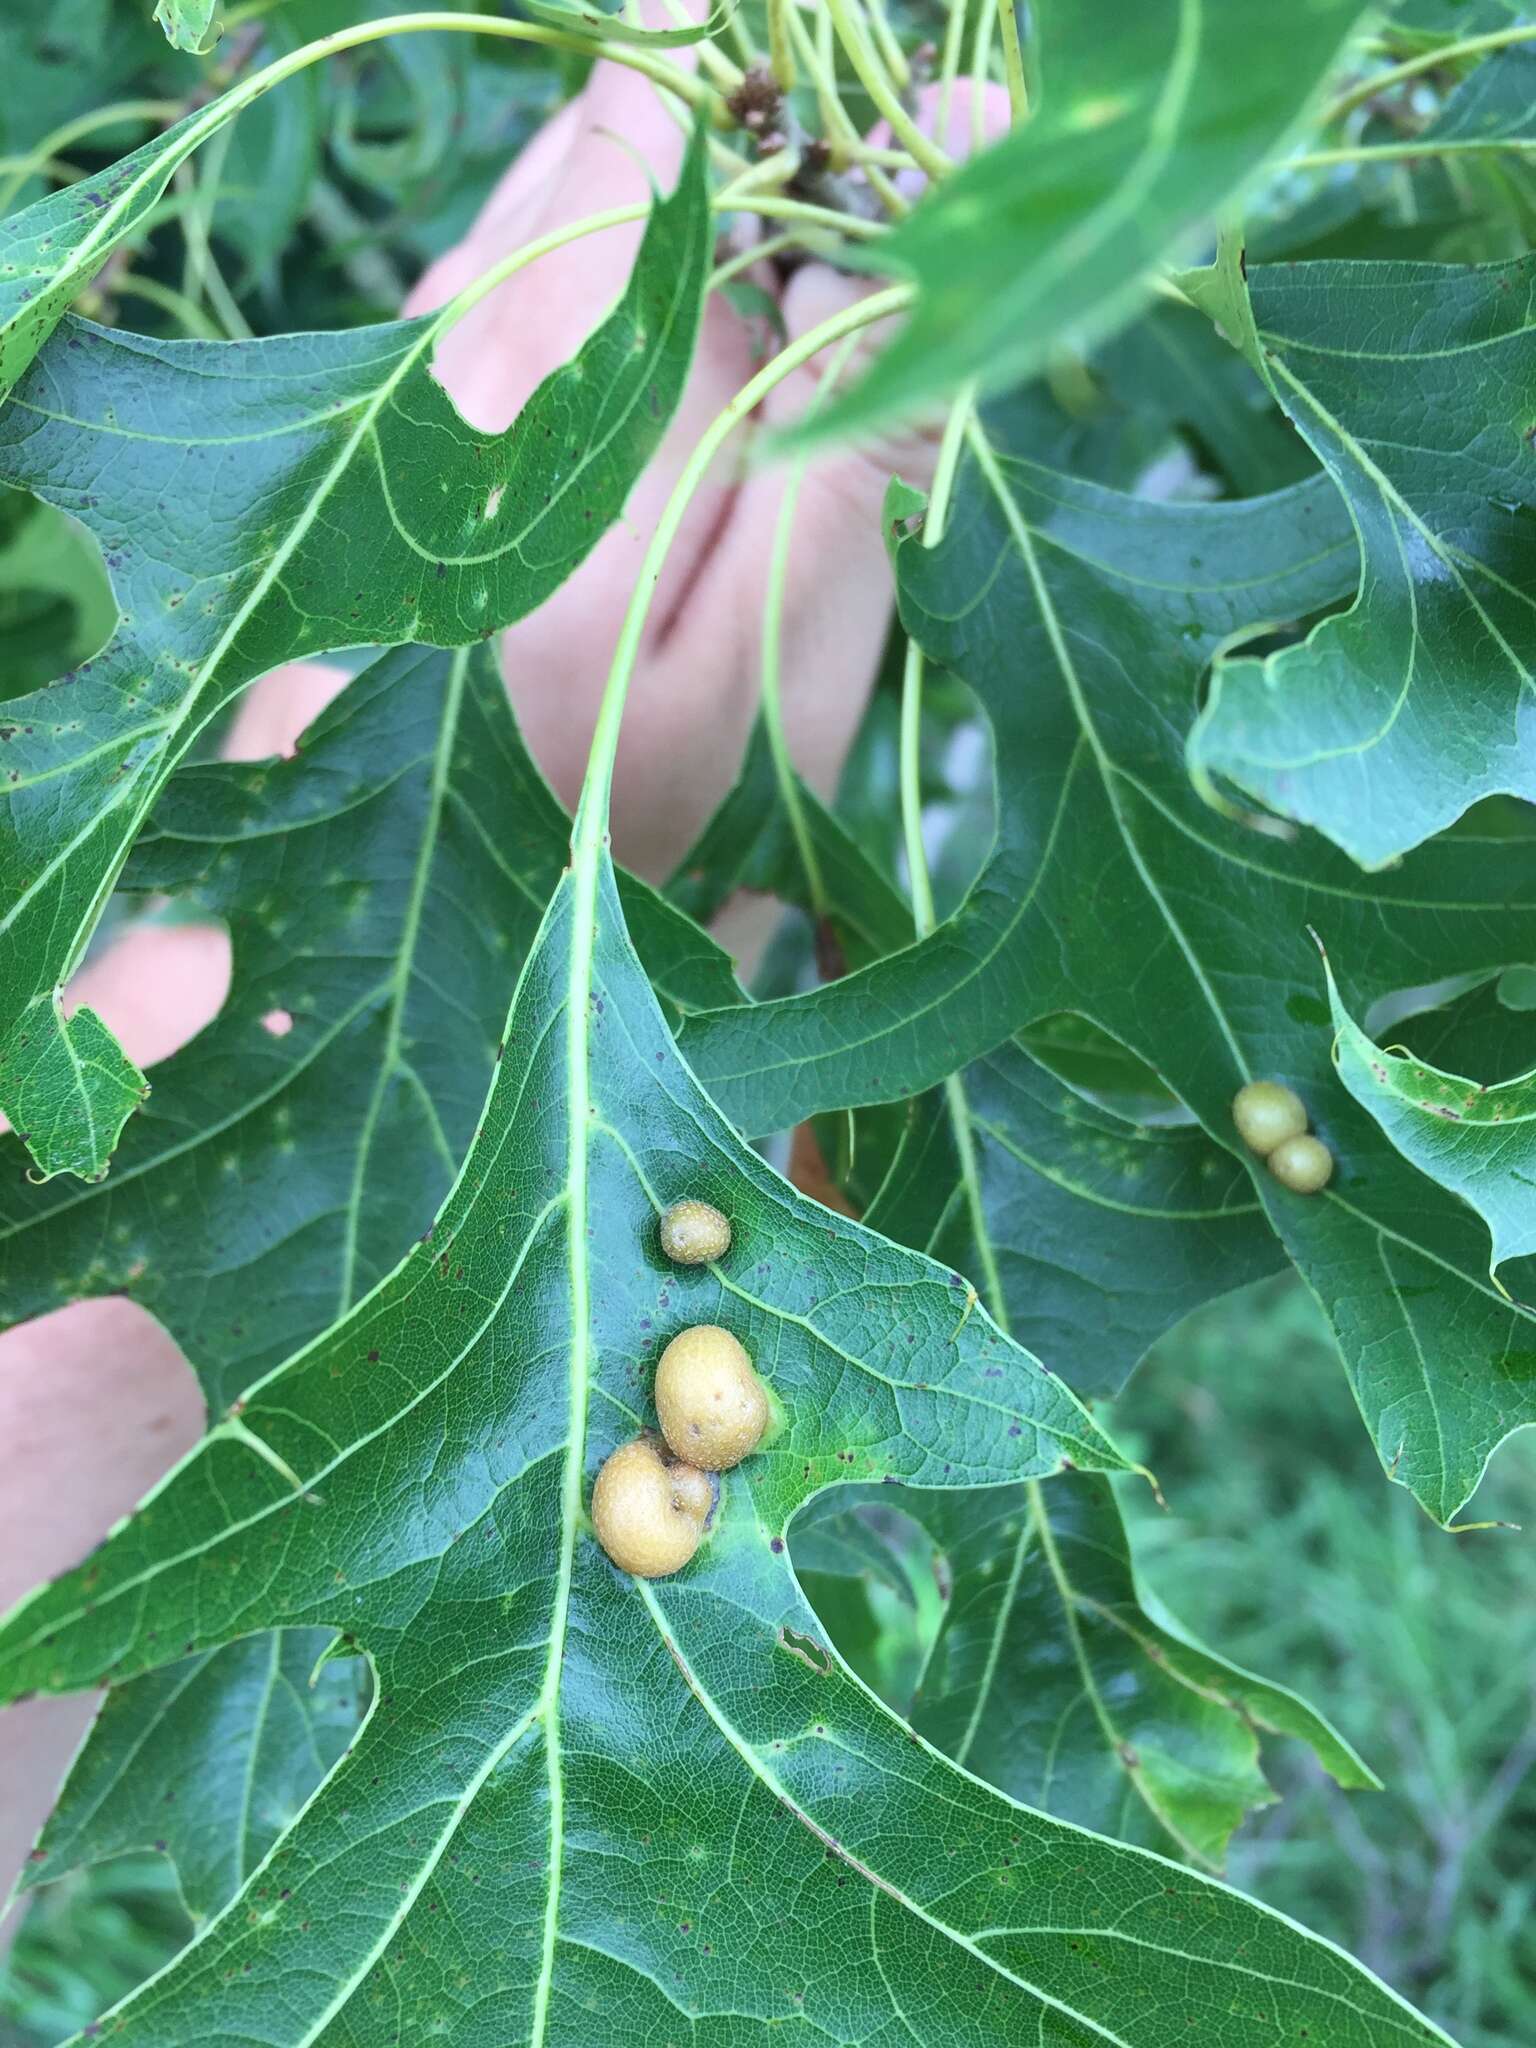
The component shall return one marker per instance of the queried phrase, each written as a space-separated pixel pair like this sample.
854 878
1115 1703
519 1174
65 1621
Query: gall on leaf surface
1104 1228
301 494
1051 1672
523 1751
1083 620
380 888
1139 138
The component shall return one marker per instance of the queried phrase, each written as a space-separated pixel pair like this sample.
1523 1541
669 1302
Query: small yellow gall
693 1491
694 1233
709 1401
649 1515
1266 1114
1304 1165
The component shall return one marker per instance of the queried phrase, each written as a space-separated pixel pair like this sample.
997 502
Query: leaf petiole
1013 62
591 825
875 80
1406 152
1426 60
958 425
773 618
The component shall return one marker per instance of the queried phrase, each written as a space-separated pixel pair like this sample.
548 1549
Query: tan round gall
694 1233
647 1513
693 1491
709 1401
1266 1114
1304 1165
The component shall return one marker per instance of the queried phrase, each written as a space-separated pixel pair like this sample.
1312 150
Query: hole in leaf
878 1583
808 1650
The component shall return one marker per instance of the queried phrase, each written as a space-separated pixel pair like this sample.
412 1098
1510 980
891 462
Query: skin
709 1401
694 1234
96 1401
646 1516
1266 1114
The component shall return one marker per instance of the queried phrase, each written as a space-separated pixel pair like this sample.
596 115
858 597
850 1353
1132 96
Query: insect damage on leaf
590 1459
1470 1138
1303 1164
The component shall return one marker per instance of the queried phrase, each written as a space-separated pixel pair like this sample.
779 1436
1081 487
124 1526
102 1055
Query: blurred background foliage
1280 1543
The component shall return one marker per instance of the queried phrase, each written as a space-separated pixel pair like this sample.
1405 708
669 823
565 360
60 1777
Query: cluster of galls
1271 1120
654 1495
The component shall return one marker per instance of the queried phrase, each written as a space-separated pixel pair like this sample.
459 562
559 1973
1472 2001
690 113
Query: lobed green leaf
380 889
1412 382
1083 620
553 1745
209 1761
257 502
1056 1676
